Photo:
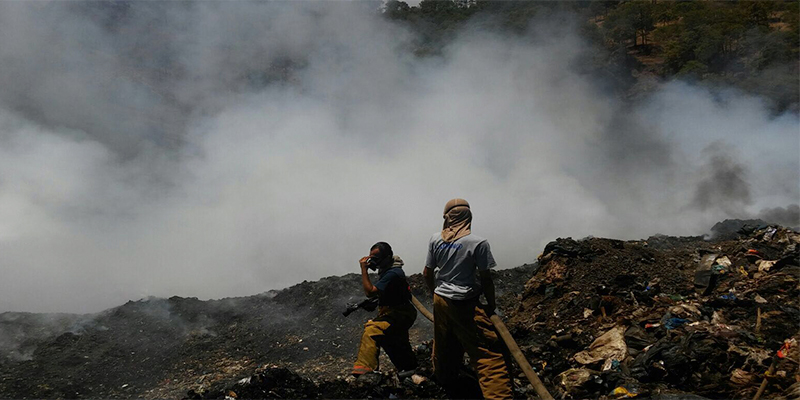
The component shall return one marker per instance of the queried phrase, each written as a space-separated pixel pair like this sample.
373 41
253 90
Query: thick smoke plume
724 184
219 149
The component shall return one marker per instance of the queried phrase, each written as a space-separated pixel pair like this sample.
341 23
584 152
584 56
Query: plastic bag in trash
610 346
574 379
673 323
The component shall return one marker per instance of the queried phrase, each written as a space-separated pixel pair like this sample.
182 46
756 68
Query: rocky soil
666 317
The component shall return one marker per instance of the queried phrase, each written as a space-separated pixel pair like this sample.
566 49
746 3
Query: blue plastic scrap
673 323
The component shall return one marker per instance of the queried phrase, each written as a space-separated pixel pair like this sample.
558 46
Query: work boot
359 370
370 378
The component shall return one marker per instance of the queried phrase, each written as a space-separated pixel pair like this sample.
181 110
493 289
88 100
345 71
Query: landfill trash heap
665 316
662 318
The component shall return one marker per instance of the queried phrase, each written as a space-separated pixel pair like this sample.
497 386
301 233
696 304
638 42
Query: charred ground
160 348
677 337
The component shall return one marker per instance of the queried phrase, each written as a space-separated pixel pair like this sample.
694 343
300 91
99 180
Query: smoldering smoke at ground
222 149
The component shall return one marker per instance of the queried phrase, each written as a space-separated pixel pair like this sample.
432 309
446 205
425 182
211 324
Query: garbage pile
664 317
274 381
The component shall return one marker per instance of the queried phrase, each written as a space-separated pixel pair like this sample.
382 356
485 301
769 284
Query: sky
160 149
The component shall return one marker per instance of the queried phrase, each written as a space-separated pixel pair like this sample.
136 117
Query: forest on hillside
749 45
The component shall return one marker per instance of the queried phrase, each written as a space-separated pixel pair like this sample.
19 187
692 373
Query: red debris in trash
785 348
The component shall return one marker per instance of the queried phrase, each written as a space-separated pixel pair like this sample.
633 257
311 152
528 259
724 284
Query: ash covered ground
665 317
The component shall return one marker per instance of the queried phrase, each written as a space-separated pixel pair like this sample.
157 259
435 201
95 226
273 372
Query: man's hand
429 277
489 309
369 289
487 284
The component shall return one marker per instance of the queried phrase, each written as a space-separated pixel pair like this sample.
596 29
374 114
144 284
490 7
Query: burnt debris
666 317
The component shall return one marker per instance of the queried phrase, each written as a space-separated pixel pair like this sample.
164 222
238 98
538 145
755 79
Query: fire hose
537 384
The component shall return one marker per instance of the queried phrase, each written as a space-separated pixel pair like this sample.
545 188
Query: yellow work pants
388 331
459 326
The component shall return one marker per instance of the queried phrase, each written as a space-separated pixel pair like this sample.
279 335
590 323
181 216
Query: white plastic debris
764 265
609 347
724 261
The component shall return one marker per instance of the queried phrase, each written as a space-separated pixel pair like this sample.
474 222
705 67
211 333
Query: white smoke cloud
170 151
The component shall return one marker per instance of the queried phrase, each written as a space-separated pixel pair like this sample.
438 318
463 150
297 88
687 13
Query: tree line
752 45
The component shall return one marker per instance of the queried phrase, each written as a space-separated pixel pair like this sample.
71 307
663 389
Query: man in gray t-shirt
457 271
455 279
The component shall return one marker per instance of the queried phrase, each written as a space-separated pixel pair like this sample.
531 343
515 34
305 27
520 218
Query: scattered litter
658 338
741 377
691 330
622 391
608 347
724 261
573 379
787 345
704 279
765 266
754 252
673 323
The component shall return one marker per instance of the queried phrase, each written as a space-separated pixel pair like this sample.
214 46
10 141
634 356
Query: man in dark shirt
396 314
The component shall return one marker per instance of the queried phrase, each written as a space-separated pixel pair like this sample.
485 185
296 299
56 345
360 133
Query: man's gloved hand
371 306
489 309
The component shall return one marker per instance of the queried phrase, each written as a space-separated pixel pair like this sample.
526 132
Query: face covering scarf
457 220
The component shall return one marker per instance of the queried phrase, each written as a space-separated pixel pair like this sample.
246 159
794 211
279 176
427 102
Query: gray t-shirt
456 264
